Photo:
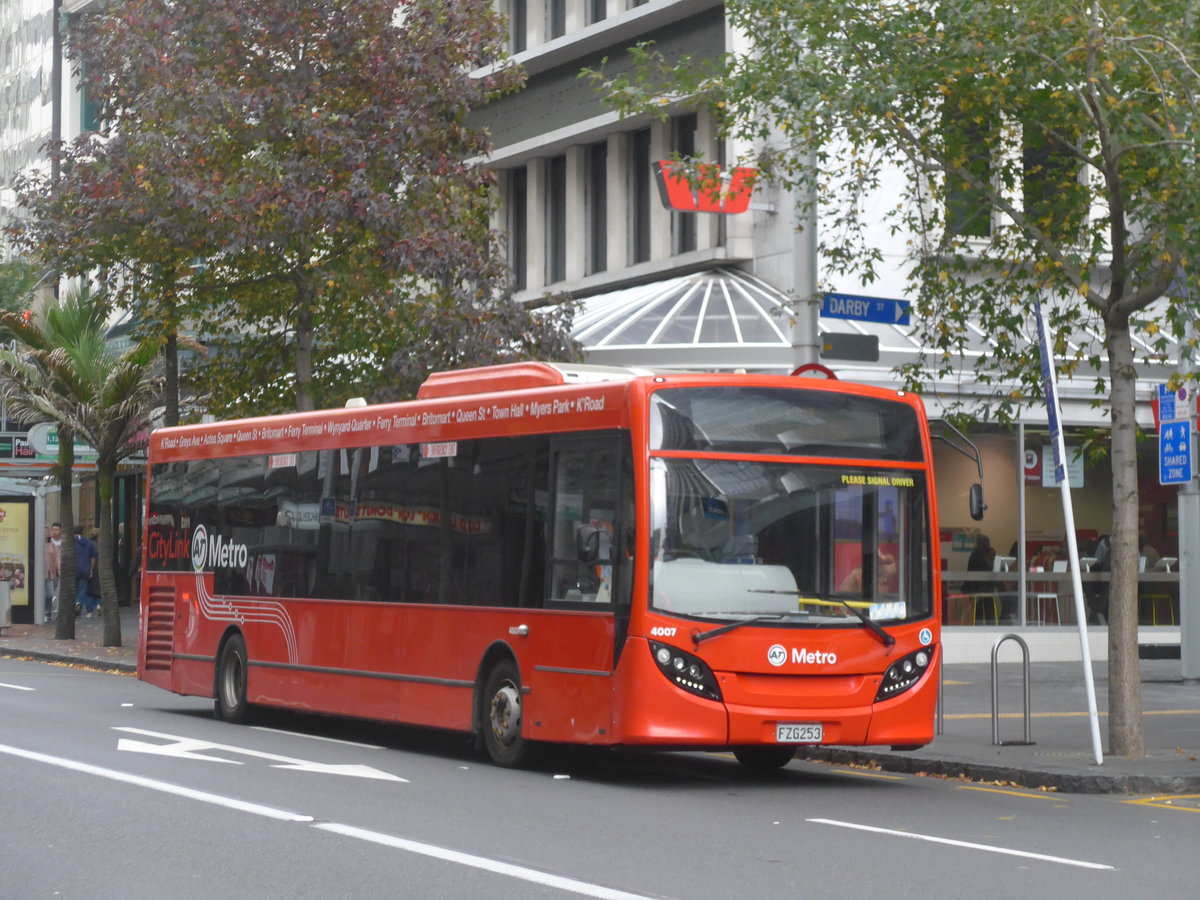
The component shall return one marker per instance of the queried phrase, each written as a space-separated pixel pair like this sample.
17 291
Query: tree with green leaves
36 380
18 280
1040 148
316 176
66 372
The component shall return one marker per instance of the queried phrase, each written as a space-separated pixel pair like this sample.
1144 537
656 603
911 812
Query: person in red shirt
53 566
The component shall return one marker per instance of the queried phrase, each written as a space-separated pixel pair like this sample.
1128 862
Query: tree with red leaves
297 183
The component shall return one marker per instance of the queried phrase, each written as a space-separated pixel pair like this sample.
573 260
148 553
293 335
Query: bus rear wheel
502 714
230 704
764 760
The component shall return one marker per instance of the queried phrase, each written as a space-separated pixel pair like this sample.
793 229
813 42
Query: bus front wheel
764 760
230 704
502 716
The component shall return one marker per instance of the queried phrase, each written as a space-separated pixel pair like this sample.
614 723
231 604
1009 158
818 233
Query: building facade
582 216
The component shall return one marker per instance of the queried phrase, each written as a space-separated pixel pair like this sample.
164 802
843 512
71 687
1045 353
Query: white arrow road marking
257 809
317 737
966 844
15 687
355 771
185 748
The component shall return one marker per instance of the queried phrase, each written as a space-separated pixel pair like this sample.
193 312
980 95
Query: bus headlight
686 671
904 673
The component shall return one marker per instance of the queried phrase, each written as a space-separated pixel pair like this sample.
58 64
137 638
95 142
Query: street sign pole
1176 465
1060 476
1188 501
806 331
1189 571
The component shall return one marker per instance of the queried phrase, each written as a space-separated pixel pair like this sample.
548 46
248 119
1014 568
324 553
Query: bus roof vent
356 402
519 376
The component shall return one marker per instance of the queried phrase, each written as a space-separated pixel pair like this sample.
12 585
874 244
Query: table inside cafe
994 598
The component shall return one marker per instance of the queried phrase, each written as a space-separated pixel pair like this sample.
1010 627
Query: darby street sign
865 309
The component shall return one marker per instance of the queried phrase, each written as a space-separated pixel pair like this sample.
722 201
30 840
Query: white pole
1081 613
1064 483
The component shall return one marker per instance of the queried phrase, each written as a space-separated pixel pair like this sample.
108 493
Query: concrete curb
85 662
1065 782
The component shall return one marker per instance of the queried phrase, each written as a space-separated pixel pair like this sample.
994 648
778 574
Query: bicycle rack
996 691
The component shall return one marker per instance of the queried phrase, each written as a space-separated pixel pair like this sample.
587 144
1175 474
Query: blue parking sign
1174 453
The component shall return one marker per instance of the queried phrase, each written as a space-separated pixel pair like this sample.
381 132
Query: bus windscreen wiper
834 600
699 636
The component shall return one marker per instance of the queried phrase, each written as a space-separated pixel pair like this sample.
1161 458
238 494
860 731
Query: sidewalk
38 642
1061 756
1059 759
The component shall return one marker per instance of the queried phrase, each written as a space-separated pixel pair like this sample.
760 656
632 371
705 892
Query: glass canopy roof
720 307
723 319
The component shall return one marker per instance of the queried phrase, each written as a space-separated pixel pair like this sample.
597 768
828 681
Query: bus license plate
798 733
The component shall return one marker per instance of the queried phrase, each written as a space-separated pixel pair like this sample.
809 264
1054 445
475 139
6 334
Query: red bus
541 553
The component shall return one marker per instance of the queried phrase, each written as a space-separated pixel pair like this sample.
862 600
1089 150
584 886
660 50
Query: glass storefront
1012 568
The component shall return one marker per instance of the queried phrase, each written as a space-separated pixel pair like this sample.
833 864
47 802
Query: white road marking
1062 860
585 888
495 866
186 748
15 687
317 737
164 786
179 750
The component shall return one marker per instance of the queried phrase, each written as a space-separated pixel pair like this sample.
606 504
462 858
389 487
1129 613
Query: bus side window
527 518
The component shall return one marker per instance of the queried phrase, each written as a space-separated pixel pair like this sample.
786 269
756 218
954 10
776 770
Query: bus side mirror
977 504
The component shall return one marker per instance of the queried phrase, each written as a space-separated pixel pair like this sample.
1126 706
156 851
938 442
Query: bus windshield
735 538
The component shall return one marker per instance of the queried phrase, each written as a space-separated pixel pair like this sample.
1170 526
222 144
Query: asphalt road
110 788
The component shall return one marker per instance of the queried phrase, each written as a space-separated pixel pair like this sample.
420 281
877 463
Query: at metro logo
216 552
777 656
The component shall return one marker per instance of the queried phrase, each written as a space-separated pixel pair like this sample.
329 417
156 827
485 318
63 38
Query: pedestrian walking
94 581
86 558
53 564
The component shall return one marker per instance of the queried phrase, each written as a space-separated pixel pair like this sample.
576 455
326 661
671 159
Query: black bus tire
501 716
230 704
764 760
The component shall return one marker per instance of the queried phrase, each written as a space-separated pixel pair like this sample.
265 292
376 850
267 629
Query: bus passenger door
571 678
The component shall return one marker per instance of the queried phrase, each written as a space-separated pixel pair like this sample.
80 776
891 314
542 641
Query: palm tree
116 425
67 373
31 380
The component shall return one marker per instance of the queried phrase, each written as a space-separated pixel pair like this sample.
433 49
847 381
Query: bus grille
160 629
